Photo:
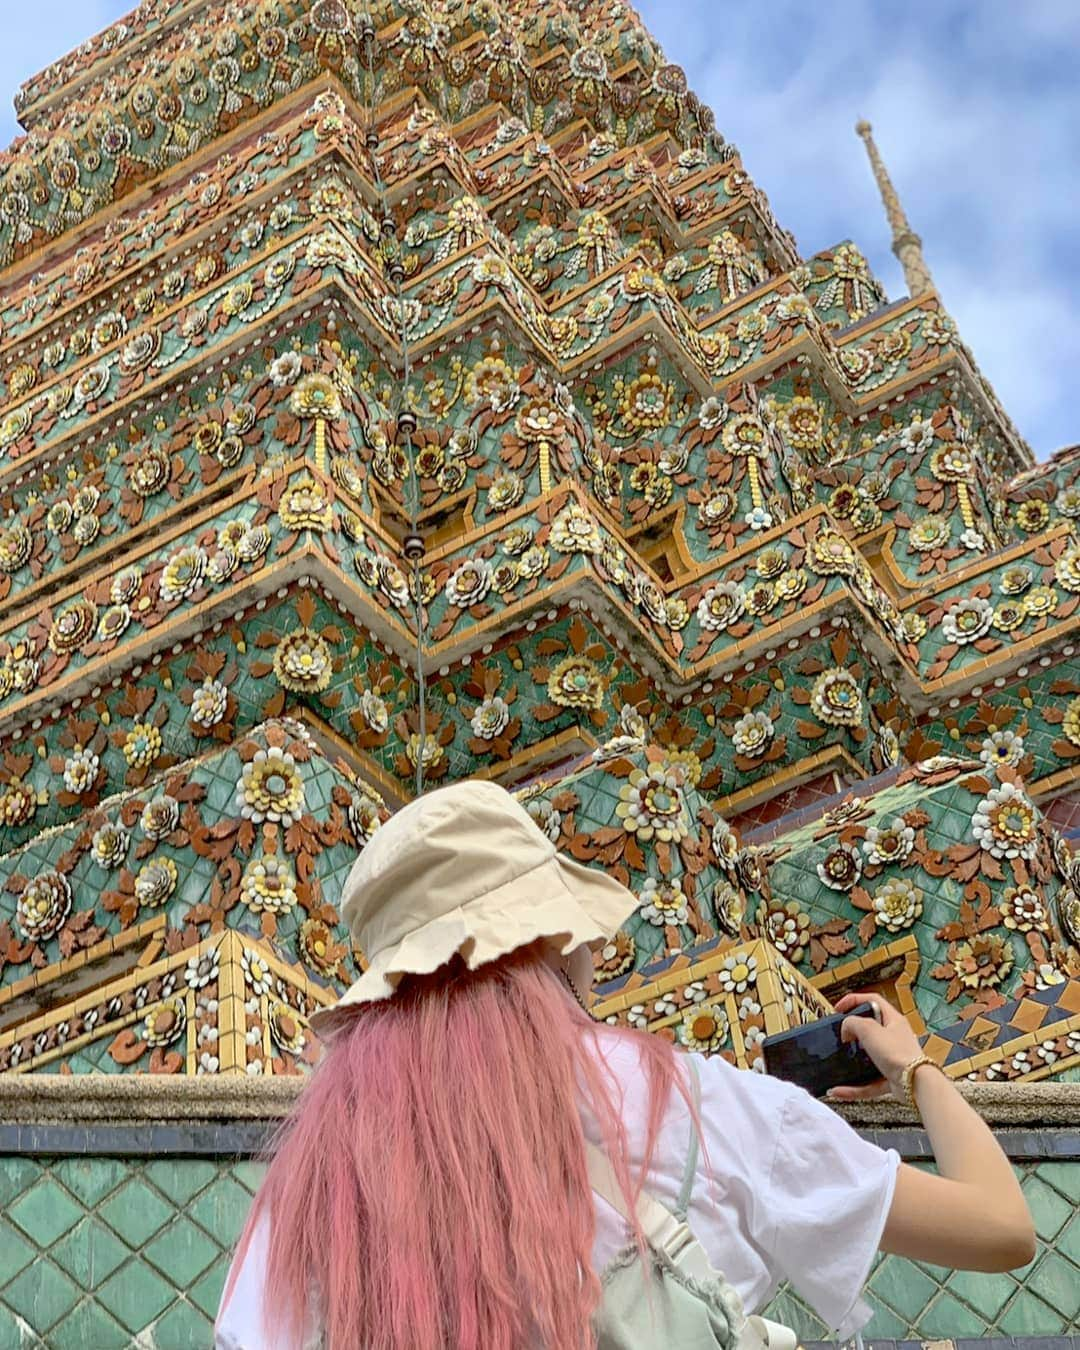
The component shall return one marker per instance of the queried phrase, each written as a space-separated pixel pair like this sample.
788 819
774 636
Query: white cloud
38 33
975 109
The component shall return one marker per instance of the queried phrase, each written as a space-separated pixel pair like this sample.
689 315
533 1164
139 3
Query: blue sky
976 109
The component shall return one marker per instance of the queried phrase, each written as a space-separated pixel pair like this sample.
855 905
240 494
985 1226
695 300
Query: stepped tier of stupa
396 393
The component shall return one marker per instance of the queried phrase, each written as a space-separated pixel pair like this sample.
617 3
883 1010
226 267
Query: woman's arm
973 1215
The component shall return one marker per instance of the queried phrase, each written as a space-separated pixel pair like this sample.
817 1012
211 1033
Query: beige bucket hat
465 870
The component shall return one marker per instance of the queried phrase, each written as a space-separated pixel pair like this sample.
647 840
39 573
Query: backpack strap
663 1231
669 1233
672 1236
690 1170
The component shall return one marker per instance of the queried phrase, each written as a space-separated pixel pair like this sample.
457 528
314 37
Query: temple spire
906 244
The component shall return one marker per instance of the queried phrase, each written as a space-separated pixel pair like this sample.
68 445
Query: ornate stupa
392 393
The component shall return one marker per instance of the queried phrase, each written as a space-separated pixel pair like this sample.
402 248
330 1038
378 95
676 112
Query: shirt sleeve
828 1197
239 1320
240 1324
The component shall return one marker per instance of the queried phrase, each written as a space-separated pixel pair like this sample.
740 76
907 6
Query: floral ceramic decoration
335 368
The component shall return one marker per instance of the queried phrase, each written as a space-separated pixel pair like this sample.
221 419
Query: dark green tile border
1020 1145
229 1139
198 1139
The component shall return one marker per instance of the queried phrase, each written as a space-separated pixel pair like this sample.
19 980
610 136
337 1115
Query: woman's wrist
912 1072
895 1076
901 1079
895 1081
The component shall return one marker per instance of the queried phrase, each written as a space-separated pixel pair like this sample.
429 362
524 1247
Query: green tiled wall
96 1252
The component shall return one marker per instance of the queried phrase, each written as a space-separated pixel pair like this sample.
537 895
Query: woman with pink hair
476 1164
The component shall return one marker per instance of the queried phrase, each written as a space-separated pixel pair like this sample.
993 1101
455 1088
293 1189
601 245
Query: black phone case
815 1058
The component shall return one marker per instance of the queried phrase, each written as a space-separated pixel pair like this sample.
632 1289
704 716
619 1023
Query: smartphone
814 1056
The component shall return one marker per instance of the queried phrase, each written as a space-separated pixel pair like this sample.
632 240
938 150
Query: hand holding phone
889 1041
819 1058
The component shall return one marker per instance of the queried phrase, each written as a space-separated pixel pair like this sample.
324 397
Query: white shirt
786 1190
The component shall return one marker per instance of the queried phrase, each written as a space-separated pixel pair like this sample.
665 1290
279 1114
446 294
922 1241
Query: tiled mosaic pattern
647 448
725 998
96 1252
176 993
676 485
914 857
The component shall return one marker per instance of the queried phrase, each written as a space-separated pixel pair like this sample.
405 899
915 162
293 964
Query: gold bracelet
908 1077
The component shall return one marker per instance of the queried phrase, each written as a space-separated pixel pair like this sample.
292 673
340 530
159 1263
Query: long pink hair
430 1188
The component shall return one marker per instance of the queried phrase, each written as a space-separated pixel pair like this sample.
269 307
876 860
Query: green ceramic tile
1058 1282
136 1212
15 1334
1028 1315
903 1287
89 1327
90 1179
136 1295
946 1319
180 1178
206 1292
221 1209
16 1176
182 1327
1049 1210
987 1294
1063 1176
181 1252
1068 1240
884 1323
45 1212
15 1252
10 1332
41 1295
89 1253
791 1311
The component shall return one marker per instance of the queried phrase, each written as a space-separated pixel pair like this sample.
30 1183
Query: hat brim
560 901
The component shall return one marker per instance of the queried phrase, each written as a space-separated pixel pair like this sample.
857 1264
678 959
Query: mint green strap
663 1232
690 1172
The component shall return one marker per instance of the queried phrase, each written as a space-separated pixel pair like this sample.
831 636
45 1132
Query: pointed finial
906 244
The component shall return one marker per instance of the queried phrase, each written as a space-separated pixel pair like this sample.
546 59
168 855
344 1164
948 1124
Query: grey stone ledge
122 1098
1033 1105
119 1098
